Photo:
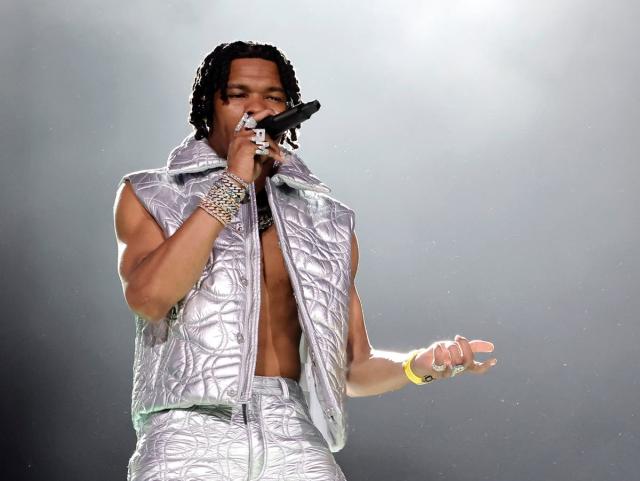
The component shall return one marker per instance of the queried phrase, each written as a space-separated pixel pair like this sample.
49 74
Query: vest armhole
127 178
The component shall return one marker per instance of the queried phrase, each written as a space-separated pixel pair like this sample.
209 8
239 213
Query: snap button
243 281
313 358
232 392
240 337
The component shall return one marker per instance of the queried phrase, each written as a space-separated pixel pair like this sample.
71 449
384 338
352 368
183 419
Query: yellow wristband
406 365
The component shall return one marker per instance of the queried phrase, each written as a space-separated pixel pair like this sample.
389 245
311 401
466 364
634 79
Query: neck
267 171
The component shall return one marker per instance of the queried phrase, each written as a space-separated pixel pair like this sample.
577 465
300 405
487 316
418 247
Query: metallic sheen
270 438
195 356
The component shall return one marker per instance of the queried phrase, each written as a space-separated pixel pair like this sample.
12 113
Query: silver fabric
204 351
213 443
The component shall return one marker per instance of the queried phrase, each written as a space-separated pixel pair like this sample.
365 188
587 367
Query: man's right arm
156 272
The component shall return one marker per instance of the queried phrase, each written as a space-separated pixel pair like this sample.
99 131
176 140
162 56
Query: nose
255 103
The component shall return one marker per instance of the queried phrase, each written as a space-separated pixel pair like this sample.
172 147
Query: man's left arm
371 371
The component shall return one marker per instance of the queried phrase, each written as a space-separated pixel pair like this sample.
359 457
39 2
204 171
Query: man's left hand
451 353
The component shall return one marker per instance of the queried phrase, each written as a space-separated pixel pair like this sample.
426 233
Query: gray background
489 149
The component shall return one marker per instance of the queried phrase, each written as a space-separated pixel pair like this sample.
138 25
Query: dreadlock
213 74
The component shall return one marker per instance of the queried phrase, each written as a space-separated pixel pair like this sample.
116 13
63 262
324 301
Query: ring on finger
455 356
438 367
457 369
241 123
262 150
260 135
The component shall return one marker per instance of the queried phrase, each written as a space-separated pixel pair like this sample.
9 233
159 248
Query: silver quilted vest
204 351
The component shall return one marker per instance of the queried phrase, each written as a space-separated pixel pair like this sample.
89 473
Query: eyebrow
272 88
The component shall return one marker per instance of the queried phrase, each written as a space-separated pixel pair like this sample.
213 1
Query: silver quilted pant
269 438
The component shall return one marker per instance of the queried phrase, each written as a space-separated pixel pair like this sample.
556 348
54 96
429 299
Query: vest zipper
245 380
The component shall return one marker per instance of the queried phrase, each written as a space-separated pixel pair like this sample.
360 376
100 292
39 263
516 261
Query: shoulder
128 188
340 207
141 186
144 175
334 202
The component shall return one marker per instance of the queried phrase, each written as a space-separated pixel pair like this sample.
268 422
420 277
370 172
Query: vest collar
197 155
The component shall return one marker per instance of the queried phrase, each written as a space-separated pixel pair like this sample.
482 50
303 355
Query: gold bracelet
239 180
223 199
406 365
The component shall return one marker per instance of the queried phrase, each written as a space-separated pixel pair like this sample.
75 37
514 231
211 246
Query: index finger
478 345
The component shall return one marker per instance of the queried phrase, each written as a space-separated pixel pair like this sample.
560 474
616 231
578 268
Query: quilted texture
204 351
277 442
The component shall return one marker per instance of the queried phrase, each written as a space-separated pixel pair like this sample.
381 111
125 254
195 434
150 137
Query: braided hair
213 74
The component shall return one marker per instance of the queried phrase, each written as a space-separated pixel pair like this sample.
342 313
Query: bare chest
278 306
279 329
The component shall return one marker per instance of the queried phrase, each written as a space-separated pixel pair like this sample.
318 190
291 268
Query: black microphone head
289 119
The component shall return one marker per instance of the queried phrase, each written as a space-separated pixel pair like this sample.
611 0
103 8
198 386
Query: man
240 269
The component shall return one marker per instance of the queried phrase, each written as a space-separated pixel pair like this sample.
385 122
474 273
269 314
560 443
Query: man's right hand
241 157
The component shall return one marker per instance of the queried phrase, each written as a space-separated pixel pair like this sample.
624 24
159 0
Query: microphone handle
276 125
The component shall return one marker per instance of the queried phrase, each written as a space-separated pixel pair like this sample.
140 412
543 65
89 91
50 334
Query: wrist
237 178
416 366
223 199
408 367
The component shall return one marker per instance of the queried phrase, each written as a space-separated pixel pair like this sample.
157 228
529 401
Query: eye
277 99
235 95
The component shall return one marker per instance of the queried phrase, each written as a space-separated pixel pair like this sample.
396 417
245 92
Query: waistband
277 385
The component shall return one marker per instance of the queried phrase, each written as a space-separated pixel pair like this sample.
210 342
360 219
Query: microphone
276 125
